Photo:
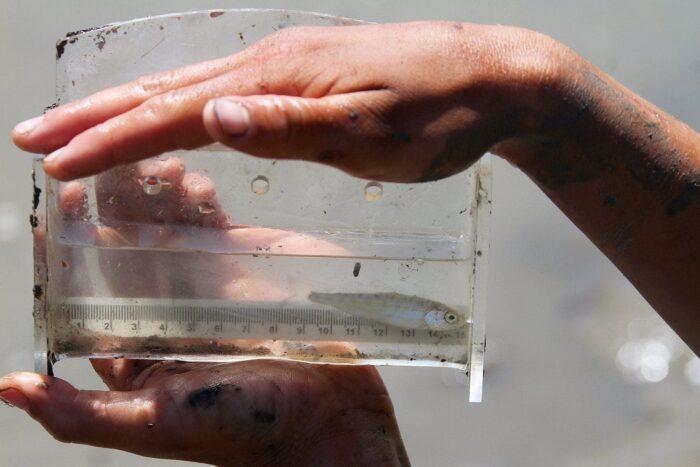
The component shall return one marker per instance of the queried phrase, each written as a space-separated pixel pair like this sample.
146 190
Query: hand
251 413
404 102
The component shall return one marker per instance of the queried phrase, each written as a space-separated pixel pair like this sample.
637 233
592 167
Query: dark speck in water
356 269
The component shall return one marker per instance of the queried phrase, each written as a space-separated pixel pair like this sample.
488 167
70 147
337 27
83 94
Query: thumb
337 130
121 420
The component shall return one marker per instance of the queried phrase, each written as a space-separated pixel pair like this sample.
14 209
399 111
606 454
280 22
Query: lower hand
260 412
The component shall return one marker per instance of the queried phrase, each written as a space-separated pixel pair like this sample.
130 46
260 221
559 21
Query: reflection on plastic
260 185
373 191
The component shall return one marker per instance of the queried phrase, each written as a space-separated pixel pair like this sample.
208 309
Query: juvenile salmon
404 311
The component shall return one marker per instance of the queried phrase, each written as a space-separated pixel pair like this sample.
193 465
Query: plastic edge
483 188
42 360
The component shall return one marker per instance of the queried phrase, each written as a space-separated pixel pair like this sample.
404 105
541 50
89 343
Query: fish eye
450 317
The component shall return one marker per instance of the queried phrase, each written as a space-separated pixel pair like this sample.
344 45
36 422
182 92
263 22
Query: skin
426 104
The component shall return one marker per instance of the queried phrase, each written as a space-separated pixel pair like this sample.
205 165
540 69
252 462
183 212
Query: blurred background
579 369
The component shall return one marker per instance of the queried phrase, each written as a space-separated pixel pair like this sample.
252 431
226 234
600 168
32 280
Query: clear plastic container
289 260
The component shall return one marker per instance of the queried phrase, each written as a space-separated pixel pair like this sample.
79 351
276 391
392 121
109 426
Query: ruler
129 317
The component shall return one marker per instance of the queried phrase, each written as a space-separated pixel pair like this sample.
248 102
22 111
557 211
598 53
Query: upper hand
404 102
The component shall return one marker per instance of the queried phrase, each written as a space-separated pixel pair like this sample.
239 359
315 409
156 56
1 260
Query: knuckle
163 113
152 109
199 186
154 84
293 117
285 42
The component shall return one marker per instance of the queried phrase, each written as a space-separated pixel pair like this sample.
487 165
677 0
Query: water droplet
373 191
260 185
152 185
206 208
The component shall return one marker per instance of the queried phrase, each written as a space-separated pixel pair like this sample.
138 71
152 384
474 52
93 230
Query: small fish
404 311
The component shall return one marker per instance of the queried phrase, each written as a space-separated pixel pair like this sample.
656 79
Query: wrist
542 106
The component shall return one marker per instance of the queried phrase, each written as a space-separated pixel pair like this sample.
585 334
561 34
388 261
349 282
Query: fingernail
233 117
28 126
55 155
14 398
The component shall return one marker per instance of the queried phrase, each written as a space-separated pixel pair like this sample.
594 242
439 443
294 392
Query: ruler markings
217 320
257 315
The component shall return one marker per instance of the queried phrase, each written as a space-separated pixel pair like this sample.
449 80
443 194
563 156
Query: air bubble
152 185
373 191
260 185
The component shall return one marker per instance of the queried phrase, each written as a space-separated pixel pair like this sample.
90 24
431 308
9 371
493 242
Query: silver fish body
404 311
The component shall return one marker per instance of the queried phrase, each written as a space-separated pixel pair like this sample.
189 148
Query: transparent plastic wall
282 259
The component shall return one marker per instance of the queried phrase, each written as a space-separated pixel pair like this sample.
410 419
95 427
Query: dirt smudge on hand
205 398
265 417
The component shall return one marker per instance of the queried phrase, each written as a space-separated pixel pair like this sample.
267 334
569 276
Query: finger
140 193
58 126
73 204
164 123
334 130
161 190
200 203
283 127
73 200
108 419
205 415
